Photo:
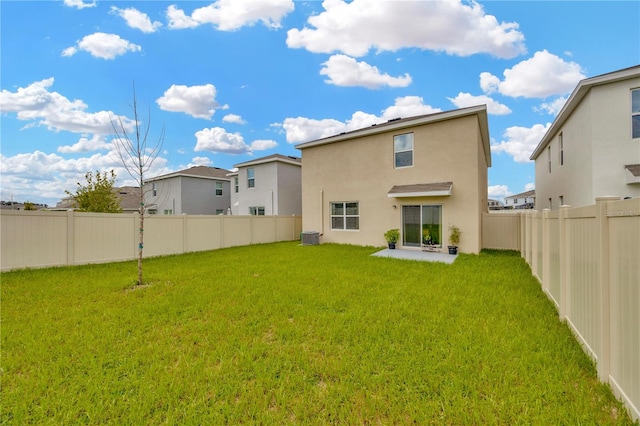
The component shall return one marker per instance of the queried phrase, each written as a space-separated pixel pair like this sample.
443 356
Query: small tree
98 194
137 157
28 205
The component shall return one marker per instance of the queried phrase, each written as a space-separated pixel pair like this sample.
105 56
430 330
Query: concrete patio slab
419 255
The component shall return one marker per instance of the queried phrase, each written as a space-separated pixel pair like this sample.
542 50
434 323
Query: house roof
634 169
289 159
581 90
129 199
526 194
421 190
403 123
203 172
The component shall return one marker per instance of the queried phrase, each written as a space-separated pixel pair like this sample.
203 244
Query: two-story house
523 200
420 175
197 190
270 185
592 148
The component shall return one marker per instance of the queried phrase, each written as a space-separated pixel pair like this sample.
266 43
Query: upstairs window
236 184
403 150
153 188
561 142
251 178
219 189
549 157
635 113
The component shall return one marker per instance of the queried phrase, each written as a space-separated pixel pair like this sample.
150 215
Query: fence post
546 251
563 259
604 358
71 258
185 234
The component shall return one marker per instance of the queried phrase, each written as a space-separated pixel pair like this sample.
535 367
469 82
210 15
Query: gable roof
289 159
403 123
203 172
581 90
526 194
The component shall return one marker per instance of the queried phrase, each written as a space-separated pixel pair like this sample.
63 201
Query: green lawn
281 333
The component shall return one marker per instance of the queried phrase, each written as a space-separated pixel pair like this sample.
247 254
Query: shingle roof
269 158
197 171
525 194
634 169
129 199
421 189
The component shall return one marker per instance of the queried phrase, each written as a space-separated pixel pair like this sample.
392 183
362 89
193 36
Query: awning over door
439 189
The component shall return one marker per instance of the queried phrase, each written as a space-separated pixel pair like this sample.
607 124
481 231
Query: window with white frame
236 184
561 142
345 215
635 113
153 188
549 157
219 189
403 150
256 211
251 177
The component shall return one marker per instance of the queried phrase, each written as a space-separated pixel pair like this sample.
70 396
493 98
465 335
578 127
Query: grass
283 334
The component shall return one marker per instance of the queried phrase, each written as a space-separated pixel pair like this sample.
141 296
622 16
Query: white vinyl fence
587 260
47 238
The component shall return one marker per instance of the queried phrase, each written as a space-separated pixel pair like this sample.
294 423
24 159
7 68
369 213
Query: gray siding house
270 185
198 190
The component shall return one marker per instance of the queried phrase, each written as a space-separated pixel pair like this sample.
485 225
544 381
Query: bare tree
137 157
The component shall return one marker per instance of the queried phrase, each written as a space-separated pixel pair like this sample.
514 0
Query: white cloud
200 161
553 107
230 15
498 191
541 76
178 20
302 129
463 100
343 70
102 45
136 19
79 4
233 118
217 139
51 109
97 142
197 101
455 27
521 141
49 175
530 186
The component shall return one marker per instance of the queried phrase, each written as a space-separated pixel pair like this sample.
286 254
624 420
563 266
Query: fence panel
501 231
624 284
42 238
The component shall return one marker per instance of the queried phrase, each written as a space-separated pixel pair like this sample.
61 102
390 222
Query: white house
270 185
592 149
523 200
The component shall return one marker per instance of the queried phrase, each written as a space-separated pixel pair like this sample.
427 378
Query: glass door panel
411 226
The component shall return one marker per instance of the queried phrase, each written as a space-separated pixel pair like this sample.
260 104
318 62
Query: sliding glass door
421 223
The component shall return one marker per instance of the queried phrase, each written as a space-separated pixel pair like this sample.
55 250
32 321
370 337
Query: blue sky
233 80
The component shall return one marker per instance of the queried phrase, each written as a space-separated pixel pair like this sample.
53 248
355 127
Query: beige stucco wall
362 169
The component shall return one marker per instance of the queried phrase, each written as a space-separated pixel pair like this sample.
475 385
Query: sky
228 81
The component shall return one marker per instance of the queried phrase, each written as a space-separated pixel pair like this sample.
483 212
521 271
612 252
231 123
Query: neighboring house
198 190
524 200
495 204
270 185
592 149
129 200
419 174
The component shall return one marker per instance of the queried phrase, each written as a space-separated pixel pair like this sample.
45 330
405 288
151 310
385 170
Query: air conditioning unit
310 238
